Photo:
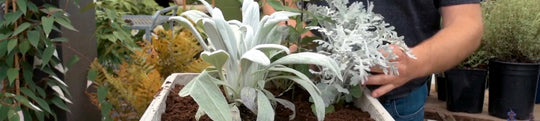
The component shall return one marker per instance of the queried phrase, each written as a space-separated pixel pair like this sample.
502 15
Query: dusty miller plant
358 39
240 52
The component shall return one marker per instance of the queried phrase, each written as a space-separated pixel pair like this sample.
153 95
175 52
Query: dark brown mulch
180 108
304 112
184 109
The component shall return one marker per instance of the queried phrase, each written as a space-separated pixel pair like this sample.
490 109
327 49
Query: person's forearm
460 36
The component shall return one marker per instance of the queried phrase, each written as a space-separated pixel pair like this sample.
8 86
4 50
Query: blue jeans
409 108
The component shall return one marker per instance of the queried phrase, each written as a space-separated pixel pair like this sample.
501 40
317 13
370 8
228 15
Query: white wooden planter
371 105
157 107
153 113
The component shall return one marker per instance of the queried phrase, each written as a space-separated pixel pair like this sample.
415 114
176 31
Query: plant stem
184 5
16 61
17 83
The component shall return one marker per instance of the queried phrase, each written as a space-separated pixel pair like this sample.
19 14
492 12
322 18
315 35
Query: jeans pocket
409 113
412 106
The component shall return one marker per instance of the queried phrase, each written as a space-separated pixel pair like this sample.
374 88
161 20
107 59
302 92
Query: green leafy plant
241 54
115 40
477 60
512 30
30 68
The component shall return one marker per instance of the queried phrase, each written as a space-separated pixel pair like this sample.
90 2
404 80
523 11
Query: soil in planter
184 109
180 108
304 112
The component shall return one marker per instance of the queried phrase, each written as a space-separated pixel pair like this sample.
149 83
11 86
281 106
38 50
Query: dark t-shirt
416 20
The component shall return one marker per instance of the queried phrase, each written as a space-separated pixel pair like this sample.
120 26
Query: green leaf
60 104
280 7
65 23
209 97
12 73
265 111
33 37
216 58
13 115
12 17
106 108
12 43
3 44
40 116
289 105
47 54
24 46
60 93
47 23
72 61
59 39
272 50
3 75
102 93
3 110
199 114
253 55
27 73
310 58
21 28
356 91
41 92
92 73
248 96
32 7
9 59
330 109
4 36
312 90
87 7
42 103
27 103
276 5
22 5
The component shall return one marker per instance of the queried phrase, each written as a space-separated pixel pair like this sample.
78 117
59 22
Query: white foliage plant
358 39
241 53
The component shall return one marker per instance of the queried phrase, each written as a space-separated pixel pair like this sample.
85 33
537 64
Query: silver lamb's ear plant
357 39
240 53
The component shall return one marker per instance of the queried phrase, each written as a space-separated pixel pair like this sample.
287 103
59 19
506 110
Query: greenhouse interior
269 60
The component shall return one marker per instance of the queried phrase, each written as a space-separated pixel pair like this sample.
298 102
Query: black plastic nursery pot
440 85
512 86
465 89
538 91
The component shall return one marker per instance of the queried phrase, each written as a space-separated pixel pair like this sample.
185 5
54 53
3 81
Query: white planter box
371 105
157 107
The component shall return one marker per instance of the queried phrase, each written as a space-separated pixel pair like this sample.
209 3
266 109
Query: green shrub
114 38
512 30
30 68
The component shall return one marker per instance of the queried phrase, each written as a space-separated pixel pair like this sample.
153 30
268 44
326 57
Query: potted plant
466 84
241 54
31 87
358 39
440 86
512 37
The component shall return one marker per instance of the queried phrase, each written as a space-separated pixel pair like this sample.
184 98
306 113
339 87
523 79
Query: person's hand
407 68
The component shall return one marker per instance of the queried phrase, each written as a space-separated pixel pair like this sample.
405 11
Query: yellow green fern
132 86
178 53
